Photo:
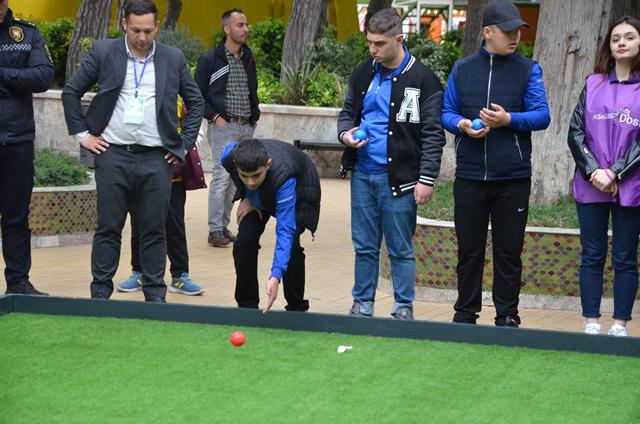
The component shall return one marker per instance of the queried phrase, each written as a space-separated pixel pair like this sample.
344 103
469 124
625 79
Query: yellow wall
201 16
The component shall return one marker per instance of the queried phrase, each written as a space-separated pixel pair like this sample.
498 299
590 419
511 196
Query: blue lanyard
135 72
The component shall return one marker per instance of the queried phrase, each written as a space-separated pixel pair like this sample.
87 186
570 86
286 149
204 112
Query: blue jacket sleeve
450 115
229 147
285 227
536 116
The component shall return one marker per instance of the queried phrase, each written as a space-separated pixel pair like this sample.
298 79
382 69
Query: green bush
265 41
57 35
58 169
337 57
326 89
295 84
183 39
269 87
439 57
525 49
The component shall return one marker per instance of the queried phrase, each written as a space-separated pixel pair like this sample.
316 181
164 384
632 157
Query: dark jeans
245 259
16 183
139 183
594 222
506 204
175 231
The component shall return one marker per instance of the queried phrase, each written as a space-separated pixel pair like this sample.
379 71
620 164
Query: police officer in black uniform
25 68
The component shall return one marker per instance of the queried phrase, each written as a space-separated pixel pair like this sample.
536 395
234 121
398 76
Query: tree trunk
472 35
302 31
625 7
373 7
174 7
568 36
92 22
117 23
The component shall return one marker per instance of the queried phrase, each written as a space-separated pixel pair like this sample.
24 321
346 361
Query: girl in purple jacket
604 138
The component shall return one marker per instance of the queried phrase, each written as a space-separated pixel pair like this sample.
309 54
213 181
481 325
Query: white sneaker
592 328
618 330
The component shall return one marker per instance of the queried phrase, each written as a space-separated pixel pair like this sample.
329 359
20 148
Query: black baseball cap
503 14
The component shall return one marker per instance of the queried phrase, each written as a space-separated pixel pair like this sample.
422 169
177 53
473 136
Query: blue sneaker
185 285
131 284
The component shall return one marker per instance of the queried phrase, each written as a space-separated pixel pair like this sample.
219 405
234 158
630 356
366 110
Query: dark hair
605 62
226 15
140 7
249 155
385 21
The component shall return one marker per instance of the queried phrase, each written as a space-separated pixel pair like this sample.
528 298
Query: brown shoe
218 239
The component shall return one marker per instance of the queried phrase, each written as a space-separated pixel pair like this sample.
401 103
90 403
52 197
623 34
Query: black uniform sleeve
37 76
586 162
628 161
79 83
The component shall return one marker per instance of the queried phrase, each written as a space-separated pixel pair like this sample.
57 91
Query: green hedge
57 35
55 169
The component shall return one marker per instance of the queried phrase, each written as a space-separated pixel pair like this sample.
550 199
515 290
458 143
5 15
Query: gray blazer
106 66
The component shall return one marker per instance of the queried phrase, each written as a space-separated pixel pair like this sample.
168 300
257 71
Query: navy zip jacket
515 83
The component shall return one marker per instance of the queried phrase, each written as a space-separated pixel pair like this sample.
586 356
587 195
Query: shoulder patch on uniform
16 33
25 23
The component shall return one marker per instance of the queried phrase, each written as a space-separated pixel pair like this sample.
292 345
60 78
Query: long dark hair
604 59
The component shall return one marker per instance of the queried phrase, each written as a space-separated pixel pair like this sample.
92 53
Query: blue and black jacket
290 192
515 83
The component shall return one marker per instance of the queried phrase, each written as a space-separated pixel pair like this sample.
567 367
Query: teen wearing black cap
493 164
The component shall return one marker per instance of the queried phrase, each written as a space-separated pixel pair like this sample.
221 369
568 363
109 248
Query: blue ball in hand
476 124
359 135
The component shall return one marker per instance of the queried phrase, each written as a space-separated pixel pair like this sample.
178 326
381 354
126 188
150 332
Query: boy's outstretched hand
272 293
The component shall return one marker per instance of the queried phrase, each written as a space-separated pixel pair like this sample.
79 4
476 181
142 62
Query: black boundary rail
423 330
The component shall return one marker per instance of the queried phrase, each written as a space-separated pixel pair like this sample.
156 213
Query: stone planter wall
281 122
550 267
61 216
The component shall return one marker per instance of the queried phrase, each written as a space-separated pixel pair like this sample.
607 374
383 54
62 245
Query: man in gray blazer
132 128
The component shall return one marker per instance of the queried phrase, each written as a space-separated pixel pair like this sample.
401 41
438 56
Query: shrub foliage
54 169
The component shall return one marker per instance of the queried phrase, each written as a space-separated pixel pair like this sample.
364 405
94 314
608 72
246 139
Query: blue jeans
376 212
594 221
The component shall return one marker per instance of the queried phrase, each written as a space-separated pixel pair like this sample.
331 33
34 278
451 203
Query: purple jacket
605 133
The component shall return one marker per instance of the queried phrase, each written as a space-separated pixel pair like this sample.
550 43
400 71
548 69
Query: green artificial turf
560 214
97 370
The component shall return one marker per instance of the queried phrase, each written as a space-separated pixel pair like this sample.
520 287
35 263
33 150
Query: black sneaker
155 300
229 235
24 287
508 321
218 239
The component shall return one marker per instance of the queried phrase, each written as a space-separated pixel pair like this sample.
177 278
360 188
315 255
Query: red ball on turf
237 338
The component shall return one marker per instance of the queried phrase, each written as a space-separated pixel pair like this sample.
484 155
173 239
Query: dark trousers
175 233
139 183
506 204
594 223
245 259
16 183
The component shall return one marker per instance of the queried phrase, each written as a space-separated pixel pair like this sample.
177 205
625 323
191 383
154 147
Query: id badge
134 110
